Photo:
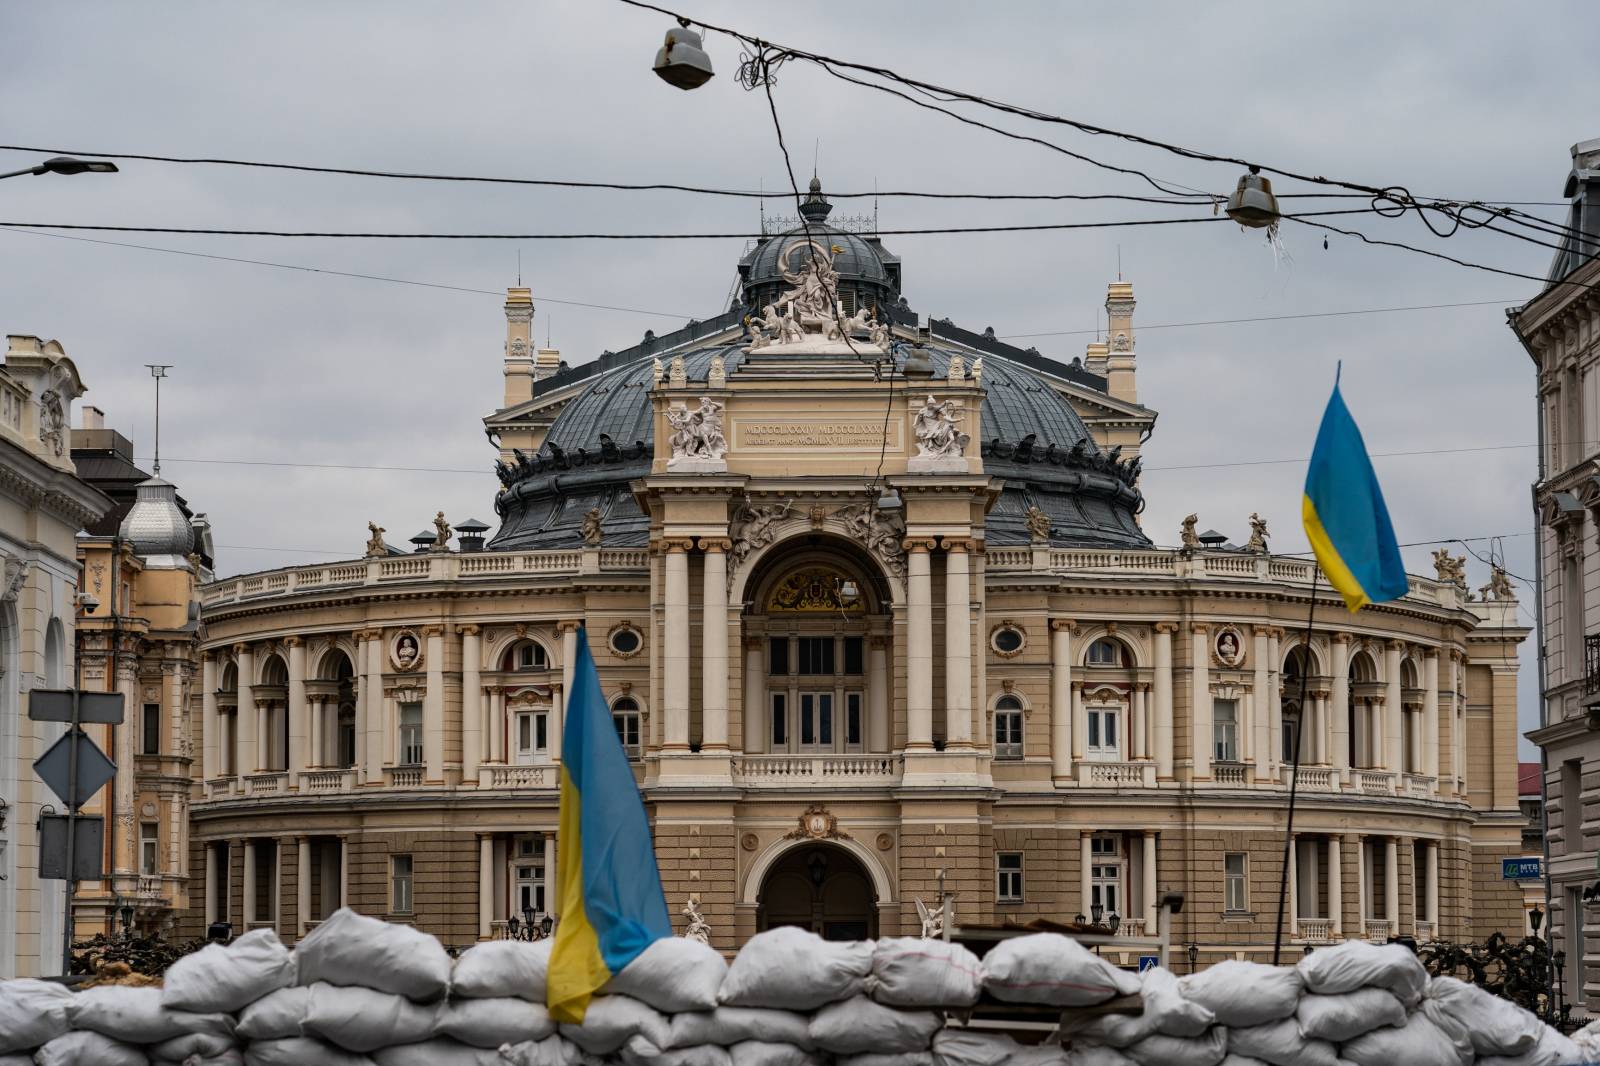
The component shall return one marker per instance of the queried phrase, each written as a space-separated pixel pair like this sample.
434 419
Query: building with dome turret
872 605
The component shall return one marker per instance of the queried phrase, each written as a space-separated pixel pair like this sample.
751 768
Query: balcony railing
1373 782
1315 930
757 770
1591 664
1424 931
517 776
149 887
219 787
1378 930
266 784
1112 774
1231 774
1418 786
405 776
1315 779
327 780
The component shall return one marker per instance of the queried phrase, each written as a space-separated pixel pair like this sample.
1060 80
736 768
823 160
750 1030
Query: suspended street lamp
1252 203
682 60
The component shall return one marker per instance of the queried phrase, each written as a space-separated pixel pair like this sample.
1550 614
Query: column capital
753 643
568 626
1430 653
1077 684
1142 686
1395 645
208 656
1201 627
1277 632
470 629
240 648
292 642
677 545
433 631
715 544
917 544
1059 624
960 544
1165 627
875 642
1340 638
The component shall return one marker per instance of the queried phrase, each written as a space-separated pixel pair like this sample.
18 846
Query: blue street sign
1148 962
1521 869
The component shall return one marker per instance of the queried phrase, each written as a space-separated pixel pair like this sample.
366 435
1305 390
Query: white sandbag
300 1051
352 949
438 1052
1092 1055
1281 1044
363 1019
231 1057
912 972
641 1052
1417 1043
1230 1059
795 969
17 1058
858 1024
1357 964
1244 993
907 1058
674 974
85 1048
1342 1016
136 1015
1053 969
731 1025
1587 1040
611 1020
226 977
1495 1026
275 1016
1161 1050
763 1053
1165 1011
966 1047
551 1051
202 1045
1551 1049
31 1013
498 968
492 1022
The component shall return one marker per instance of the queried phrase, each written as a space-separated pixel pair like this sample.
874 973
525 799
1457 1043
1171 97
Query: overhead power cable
1265 318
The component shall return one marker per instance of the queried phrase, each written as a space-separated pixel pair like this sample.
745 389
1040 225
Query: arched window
1107 652
625 716
526 656
1008 728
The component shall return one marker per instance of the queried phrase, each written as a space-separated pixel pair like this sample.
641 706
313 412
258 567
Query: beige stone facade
832 700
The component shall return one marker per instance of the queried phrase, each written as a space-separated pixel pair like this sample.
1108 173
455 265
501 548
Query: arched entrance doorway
821 888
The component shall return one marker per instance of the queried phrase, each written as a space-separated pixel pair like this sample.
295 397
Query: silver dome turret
156 527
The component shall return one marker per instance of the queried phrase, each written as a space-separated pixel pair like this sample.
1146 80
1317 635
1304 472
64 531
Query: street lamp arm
66 164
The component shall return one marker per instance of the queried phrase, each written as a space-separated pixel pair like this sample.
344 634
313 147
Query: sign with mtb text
1521 869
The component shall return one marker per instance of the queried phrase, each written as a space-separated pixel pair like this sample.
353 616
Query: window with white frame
400 888
529 655
1008 728
1104 731
1104 652
149 848
1225 730
816 702
625 716
1236 882
1105 874
1008 877
532 735
527 876
411 734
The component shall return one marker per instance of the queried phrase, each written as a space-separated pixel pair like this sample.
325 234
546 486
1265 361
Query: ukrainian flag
608 888
1344 515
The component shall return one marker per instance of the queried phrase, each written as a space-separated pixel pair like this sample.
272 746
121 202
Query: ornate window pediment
816 590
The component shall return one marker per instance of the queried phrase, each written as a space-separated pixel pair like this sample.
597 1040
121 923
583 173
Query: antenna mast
158 371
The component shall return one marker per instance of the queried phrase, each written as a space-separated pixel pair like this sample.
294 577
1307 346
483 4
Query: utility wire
1266 318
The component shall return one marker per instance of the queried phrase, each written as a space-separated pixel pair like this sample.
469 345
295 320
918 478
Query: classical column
1262 712
1430 715
211 884
208 717
755 690
1394 708
249 877
433 707
1319 736
1138 735
1379 753
1431 848
1080 722
296 755
1200 701
1061 698
1274 698
1335 887
957 644
1314 876
318 705
1391 883
919 645
1163 699
471 704
1085 869
675 661
344 871
263 735
276 885
486 886
302 895
497 726
376 711
245 712
1339 712
1361 884
1151 904
1294 884
879 726
714 645
551 898
569 660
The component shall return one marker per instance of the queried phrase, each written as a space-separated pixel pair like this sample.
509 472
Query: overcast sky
292 367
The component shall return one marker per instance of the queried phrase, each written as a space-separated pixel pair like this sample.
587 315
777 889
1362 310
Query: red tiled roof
1527 779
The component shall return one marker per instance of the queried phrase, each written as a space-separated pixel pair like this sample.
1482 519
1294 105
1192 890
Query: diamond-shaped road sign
94 769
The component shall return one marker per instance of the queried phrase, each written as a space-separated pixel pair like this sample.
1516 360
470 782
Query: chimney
1119 365
548 364
519 346
93 418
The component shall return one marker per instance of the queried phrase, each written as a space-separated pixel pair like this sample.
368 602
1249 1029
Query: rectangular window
778 656
816 721
1008 734
1103 743
852 656
1225 730
852 719
627 723
816 655
541 732
1008 877
1572 806
1291 729
1235 883
400 896
149 848
780 721
150 730
411 734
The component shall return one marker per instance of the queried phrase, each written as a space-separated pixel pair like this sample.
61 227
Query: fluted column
1163 699
957 643
471 704
245 711
486 886
714 645
1335 887
1430 715
1085 869
298 713
1261 706
1394 708
1391 883
1061 699
209 724
1151 904
1339 712
1200 701
433 707
302 894
675 660
919 645
755 701
879 725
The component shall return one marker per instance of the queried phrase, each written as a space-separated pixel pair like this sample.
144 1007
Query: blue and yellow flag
1344 515
608 888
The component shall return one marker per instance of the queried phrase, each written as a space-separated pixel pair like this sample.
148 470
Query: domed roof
867 272
156 527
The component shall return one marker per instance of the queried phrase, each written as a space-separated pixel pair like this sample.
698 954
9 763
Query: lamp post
1194 953
66 164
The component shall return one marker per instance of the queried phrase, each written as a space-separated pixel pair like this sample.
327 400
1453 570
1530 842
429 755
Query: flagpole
1294 778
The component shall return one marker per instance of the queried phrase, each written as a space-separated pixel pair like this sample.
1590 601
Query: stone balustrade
1378 930
1373 782
327 781
517 777
1315 930
1229 774
266 784
832 770
404 776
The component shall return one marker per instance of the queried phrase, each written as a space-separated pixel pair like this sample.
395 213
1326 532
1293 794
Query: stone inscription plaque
848 435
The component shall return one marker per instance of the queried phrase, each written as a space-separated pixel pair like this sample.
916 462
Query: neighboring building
1560 328
42 506
1530 798
142 563
856 628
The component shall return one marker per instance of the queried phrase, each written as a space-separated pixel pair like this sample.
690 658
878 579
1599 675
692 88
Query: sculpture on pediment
938 430
593 534
441 535
53 412
1038 524
880 532
1499 586
753 528
878 333
1258 534
697 434
375 545
699 929
1191 539
1450 568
